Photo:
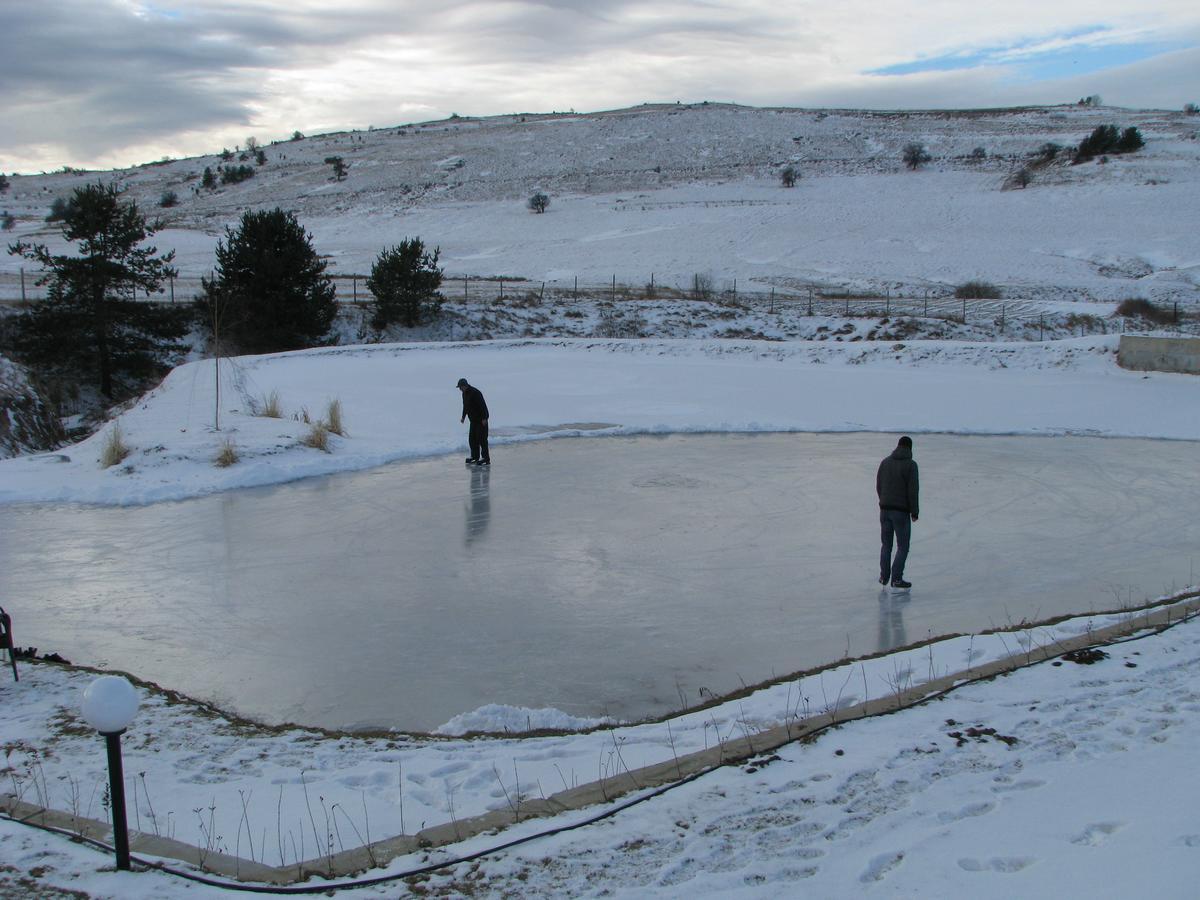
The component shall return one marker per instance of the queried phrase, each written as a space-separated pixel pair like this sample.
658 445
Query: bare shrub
333 417
227 455
317 437
915 155
702 286
1139 308
788 177
538 202
1018 179
115 449
977 290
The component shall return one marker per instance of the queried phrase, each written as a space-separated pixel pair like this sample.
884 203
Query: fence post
576 294
171 280
964 312
23 284
927 304
501 288
1041 328
810 300
542 293
354 288
772 308
735 293
888 305
1003 306
464 289
614 287
847 301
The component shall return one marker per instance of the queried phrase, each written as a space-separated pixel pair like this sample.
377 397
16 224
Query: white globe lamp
109 705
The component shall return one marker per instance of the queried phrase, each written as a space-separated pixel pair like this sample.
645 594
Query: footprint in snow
879 867
1097 833
973 809
1005 864
1026 785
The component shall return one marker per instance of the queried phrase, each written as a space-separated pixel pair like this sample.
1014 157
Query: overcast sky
109 83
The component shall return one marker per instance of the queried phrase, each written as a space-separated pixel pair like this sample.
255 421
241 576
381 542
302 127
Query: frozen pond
605 575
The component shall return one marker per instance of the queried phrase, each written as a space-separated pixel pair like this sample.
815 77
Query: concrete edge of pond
645 782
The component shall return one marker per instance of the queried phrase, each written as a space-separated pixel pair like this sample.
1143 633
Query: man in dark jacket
897 485
475 409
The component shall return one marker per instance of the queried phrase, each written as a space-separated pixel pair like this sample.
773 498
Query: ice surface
605 576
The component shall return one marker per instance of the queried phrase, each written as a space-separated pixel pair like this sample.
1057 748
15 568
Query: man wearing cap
475 409
897 486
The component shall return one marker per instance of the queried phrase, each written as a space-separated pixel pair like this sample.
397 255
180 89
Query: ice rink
618 576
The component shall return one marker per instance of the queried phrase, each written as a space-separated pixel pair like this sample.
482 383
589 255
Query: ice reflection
891 620
479 504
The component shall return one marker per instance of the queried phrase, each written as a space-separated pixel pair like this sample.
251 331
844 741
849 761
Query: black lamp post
109 705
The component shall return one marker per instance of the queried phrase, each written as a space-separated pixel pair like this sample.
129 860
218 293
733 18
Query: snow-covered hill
670 192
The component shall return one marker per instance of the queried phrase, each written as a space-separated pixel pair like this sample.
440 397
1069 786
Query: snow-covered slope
669 192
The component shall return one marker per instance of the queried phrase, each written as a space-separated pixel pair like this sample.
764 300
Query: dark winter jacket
474 407
896 482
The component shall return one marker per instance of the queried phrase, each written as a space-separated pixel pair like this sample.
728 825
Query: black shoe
484 462
883 579
471 462
901 584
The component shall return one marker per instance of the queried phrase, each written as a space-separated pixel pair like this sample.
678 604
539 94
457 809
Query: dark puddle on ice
619 576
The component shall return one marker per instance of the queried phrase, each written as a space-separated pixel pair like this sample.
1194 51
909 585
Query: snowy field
1082 785
1060 778
903 805
399 401
669 193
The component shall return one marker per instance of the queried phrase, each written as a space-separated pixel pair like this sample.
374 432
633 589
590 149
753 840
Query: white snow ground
1058 779
1094 795
399 401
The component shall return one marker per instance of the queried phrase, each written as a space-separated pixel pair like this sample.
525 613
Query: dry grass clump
317 437
270 407
115 449
333 417
228 454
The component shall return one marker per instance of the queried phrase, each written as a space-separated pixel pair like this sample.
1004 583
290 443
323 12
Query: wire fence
813 300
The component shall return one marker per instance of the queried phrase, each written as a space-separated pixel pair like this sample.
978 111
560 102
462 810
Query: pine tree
404 281
270 291
91 322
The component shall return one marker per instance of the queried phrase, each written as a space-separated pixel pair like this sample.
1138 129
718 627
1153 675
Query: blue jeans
893 523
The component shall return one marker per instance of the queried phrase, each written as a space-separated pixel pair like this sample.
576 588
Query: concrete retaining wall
1159 354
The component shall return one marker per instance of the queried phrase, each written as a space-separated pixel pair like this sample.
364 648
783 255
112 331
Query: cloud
108 82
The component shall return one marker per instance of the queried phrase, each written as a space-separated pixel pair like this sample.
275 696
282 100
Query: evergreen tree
1131 140
340 166
90 322
404 281
209 180
270 291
